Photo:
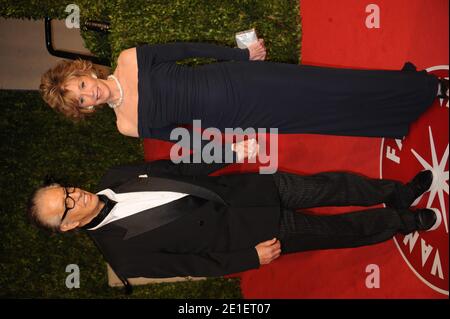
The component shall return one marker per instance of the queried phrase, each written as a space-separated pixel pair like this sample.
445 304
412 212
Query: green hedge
199 20
161 21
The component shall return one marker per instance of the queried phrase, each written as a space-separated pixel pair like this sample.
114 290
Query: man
162 220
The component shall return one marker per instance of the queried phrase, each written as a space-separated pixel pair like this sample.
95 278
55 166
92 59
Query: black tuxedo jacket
211 232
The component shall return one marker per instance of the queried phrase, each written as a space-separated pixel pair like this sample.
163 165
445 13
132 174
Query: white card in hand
245 38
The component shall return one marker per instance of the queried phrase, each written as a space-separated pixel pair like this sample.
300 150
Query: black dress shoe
425 218
416 187
421 183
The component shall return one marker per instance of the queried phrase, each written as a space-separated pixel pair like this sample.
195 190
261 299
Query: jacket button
201 223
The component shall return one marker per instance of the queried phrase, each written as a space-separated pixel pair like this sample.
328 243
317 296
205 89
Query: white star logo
440 177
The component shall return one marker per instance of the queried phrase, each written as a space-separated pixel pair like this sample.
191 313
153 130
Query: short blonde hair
53 86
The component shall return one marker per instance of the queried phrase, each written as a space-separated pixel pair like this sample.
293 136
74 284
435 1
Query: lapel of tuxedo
169 185
156 217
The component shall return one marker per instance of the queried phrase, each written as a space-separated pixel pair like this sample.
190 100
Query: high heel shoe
444 88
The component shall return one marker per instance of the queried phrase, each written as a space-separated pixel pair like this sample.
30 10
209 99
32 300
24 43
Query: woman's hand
246 149
268 251
257 50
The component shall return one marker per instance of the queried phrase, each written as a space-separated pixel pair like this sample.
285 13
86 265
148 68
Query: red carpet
335 34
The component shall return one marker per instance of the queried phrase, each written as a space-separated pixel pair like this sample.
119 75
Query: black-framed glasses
69 202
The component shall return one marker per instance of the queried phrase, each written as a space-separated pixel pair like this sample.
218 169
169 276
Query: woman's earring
94 75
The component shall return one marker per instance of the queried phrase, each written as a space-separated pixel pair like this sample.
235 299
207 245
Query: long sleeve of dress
159 53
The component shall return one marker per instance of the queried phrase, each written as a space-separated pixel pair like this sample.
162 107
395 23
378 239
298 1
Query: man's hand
246 149
257 50
268 251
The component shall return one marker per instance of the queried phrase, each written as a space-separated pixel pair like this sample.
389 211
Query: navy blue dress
260 94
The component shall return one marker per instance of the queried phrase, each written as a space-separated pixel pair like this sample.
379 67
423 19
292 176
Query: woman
150 94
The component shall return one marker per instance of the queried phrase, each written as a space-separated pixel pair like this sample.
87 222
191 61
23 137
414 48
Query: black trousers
302 231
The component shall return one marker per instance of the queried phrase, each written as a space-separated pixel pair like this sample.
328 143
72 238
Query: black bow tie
109 204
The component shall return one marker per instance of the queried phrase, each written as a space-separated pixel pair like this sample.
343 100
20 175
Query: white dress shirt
135 202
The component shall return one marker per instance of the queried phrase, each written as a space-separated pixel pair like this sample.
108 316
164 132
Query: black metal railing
89 25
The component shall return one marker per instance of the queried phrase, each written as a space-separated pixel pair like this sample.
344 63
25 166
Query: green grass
35 141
